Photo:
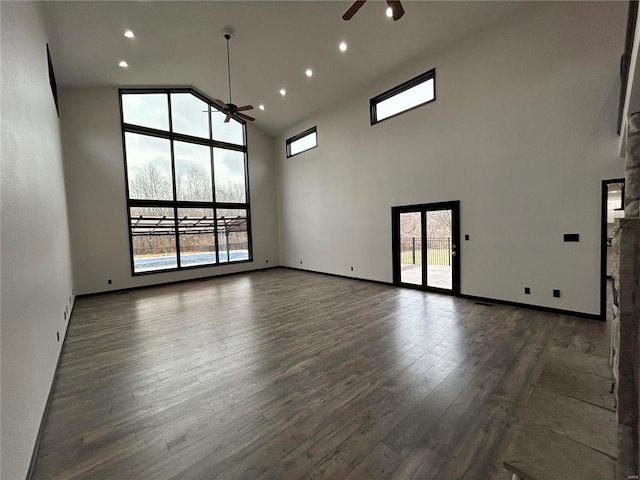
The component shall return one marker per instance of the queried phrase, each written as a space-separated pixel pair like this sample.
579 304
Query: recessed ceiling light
129 34
123 64
389 12
283 92
343 47
309 72
261 107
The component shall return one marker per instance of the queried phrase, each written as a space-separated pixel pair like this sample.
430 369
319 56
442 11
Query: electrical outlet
556 293
109 281
266 261
527 290
352 269
466 237
300 262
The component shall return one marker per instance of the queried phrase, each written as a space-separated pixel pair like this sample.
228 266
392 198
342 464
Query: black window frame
52 80
300 136
181 204
415 81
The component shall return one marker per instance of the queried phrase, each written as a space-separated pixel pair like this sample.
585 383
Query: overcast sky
189 116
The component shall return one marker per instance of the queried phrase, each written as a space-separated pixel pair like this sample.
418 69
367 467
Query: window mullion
175 186
215 203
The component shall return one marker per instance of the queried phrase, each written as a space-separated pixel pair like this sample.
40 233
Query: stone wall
625 328
632 173
626 245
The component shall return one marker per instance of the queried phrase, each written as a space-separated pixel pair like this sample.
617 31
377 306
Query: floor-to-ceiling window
187 181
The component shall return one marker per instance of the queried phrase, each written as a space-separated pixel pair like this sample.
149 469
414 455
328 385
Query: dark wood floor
282 374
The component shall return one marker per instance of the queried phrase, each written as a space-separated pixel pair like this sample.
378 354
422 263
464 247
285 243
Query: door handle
453 254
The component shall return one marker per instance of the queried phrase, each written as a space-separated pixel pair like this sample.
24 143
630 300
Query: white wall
94 165
522 132
36 266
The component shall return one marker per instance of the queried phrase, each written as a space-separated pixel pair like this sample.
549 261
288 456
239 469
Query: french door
426 252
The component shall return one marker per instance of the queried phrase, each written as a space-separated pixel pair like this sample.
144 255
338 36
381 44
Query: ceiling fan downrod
227 36
230 109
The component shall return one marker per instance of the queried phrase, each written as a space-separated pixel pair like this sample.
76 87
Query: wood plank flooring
283 374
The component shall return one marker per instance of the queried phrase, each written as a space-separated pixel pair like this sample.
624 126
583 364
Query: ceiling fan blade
226 120
244 107
353 9
396 8
246 117
220 103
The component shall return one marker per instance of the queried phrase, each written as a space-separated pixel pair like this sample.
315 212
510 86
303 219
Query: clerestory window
407 96
302 142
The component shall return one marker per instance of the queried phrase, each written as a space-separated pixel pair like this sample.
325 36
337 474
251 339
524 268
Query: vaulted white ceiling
180 43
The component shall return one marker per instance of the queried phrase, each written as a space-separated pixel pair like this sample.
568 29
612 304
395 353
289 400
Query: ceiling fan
396 9
229 108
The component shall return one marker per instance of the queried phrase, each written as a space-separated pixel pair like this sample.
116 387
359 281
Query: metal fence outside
438 251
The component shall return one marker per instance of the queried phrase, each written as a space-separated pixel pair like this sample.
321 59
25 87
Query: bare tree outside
439 224
411 225
195 185
150 183
230 192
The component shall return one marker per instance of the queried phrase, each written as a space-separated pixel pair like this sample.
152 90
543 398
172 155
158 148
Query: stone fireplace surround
625 327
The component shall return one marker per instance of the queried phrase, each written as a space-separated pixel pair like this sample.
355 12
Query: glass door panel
411 248
425 246
439 249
